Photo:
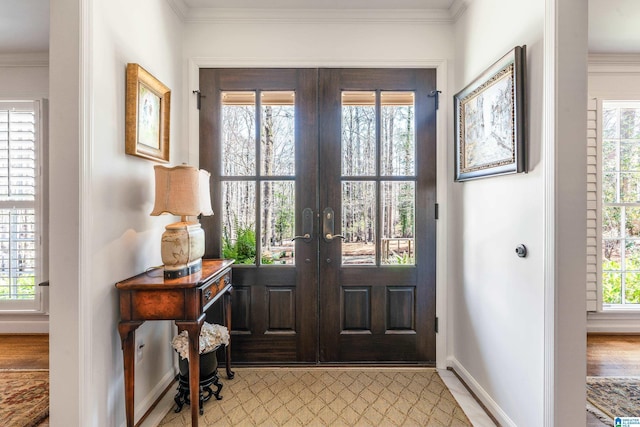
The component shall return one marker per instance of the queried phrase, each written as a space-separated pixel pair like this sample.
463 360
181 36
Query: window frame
600 205
39 304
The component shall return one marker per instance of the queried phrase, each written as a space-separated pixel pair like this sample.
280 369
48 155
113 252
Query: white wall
518 324
312 38
497 299
565 104
23 78
113 194
66 148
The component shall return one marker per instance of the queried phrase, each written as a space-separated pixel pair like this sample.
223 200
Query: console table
149 296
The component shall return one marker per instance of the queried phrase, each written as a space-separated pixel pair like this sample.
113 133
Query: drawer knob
207 295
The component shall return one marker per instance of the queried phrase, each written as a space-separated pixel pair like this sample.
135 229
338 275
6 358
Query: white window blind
19 205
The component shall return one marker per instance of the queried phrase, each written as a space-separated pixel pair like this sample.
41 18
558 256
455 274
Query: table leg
193 329
227 322
128 339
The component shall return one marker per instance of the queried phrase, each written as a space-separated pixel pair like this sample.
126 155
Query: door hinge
198 97
437 211
436 325
436 94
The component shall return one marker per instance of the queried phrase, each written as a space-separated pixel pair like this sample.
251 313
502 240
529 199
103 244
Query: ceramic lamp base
182 249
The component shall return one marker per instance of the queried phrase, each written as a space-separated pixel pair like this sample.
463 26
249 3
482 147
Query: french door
323 188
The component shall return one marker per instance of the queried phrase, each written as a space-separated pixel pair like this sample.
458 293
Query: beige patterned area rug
329 397
610 397
24 397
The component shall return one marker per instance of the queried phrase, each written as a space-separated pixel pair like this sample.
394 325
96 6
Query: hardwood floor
611 355
24 351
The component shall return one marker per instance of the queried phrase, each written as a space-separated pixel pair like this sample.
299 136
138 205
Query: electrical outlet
139 350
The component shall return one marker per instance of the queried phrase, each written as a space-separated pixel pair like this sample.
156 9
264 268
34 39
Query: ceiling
613 24
24 26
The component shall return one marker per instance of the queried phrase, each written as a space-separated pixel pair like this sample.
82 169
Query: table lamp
184 191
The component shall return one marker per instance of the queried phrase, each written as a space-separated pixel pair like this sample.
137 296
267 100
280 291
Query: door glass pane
238 133
398 134
358 133
398 219
277 134
278 222
359 222
238 221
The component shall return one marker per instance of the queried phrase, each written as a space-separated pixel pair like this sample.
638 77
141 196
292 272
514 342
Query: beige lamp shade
205 194
182 190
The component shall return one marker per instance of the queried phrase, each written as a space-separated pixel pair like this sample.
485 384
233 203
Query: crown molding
614 63
38 59
374 16
179 8
321 16
457 8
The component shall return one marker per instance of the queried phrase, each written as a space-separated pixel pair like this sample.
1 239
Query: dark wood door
258 138
378 175
317 153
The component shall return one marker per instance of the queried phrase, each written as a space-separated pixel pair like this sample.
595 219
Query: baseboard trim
476 398
157 411
24 326
485 400
613 323
144 411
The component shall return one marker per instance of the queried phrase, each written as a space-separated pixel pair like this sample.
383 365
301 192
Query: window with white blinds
620 204
19 204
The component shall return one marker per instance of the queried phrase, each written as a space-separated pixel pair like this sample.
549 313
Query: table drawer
210 292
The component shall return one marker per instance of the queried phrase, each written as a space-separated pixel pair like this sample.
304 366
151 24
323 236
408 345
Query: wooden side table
149 296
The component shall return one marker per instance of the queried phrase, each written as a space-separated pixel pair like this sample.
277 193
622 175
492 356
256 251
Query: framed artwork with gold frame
147 114
490 121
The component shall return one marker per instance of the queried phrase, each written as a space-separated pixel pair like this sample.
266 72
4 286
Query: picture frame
147 115
490 121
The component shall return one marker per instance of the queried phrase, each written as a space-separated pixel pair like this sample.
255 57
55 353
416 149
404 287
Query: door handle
329 237
307 225
328 226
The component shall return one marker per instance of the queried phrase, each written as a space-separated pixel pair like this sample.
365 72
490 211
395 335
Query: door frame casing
443 161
